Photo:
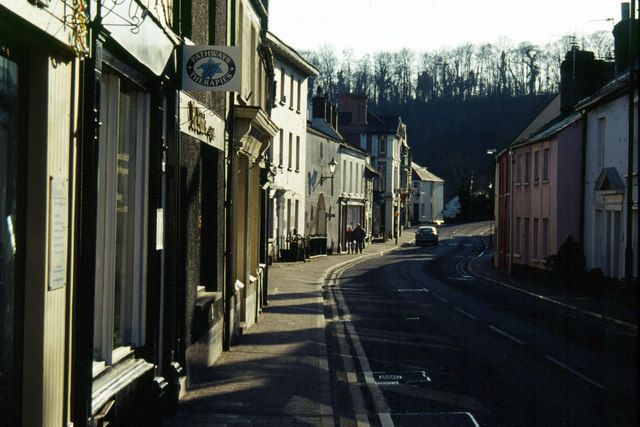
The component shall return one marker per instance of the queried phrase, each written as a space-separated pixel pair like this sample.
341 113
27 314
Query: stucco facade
605 184
545 189
427 196
287 154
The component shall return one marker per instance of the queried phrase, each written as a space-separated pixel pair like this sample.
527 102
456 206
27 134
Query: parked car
426 235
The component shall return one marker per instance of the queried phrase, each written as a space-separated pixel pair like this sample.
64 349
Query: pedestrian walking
359 235
348 236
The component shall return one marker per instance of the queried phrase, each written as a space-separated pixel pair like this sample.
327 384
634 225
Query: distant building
385 139
427 197
451 208
344 198
287 153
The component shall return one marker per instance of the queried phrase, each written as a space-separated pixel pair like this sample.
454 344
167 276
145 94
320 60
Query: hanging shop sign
211 68
199 122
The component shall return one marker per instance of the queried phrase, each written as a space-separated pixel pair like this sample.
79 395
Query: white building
287 153
605 185
427 198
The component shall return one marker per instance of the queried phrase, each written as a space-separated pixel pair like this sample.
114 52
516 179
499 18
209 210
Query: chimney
621 39
581 75
318 105
328 109
334 117
624 9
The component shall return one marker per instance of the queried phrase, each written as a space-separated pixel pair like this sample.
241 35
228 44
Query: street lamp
332 171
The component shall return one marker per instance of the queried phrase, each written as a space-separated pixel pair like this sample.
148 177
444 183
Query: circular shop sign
211 68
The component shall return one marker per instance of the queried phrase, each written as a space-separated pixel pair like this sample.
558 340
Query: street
415 338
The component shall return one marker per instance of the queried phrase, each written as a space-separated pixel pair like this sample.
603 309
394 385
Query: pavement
612 302
277 372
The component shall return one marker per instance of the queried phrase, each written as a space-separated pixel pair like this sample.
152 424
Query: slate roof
549 130
424 174
290 55
613 88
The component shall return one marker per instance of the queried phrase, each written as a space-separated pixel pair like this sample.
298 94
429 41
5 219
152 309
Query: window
281 162
527 232
527 166
290 151
545 164
344 176
121 239
10 243
535 232
282 97
519 169
545 238
516 241
382 180
288 216
291 92
350 177
297 211
602 123
382 145
297 154
299 94
536 166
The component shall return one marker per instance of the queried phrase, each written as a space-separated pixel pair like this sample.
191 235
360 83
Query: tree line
458 102
462 72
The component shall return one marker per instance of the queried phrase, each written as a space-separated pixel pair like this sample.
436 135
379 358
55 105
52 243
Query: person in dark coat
348 236
359 235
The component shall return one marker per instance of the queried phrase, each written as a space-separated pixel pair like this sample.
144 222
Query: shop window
121 238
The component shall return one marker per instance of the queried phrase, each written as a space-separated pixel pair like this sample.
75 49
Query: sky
368 26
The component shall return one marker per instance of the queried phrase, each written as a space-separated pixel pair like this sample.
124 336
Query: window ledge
280 165
289 169
291 108
117 378
282 102
205 298
536 181
297 170
544 181
517 184
297 111
516 255
526 183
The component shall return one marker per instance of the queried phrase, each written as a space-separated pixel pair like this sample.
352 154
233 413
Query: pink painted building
546 190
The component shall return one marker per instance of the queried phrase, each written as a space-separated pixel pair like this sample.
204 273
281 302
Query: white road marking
412 290
466 313
411 318
573 371
504 334
440 298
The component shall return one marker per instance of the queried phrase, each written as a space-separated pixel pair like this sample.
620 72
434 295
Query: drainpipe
628 264
583 173
511 161
85 242
229 288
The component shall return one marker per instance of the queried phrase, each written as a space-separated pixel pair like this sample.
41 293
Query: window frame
133 294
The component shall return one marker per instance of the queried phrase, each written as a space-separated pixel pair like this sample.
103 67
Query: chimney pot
625 11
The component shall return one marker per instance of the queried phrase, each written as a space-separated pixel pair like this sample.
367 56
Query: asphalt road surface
416 339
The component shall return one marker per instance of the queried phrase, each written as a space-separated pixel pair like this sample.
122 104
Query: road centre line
465 313
573 371
504 334
439 297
